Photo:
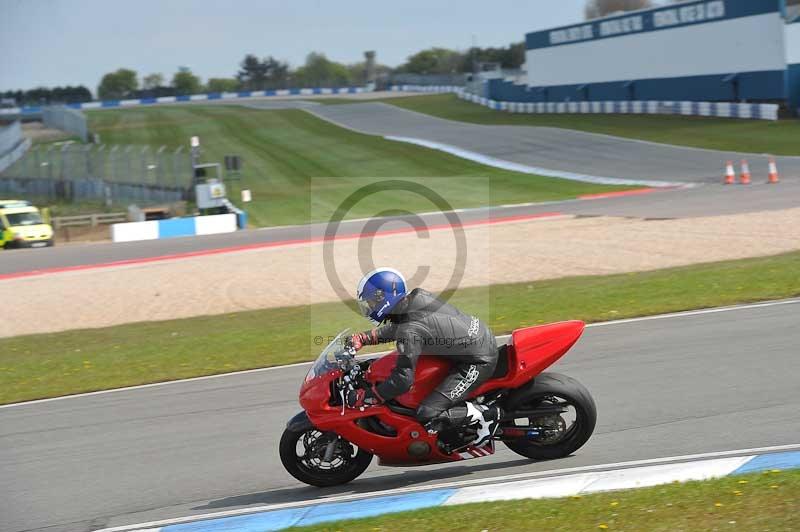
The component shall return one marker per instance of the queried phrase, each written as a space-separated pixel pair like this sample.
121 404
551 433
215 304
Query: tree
44 95
185 82
258 75
319 71
151 81
601 8
253 73
277 73
118 84
434 61
222 85
70 94
511 56
357 72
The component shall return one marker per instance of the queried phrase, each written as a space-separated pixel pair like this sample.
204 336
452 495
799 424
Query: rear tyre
562 437
321 458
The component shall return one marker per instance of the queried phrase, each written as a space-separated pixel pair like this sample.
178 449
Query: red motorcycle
545 415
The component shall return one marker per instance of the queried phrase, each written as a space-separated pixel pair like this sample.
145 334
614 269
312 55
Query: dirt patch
37 132
296 275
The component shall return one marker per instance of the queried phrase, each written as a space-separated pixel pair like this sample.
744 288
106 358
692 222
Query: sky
75 42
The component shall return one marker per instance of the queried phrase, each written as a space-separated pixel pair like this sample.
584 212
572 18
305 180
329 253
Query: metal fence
112 174
89 220
66 119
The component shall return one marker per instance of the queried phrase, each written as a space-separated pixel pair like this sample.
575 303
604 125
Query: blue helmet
379 292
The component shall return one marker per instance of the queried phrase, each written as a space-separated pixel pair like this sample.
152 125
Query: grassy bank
753 136
758 501
284 150
49 365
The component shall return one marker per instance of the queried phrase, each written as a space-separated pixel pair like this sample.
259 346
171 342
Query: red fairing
532 350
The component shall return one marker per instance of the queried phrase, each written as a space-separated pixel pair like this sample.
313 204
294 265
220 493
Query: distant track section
550 150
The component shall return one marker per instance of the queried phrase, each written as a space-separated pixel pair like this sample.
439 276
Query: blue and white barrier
174 227
241 216
759 111
547 484
426 88
109 104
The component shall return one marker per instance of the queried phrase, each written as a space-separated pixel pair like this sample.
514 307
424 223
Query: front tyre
321 458
557 435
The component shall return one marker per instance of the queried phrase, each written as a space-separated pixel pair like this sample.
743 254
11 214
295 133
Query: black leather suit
421 323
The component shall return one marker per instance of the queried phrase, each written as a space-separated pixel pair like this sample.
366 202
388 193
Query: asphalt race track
553 148
679 385
714 200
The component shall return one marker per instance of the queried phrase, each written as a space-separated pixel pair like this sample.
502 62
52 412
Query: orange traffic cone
773 171
744 179
730 175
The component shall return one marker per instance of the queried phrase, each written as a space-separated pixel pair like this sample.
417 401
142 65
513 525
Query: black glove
359 340
353 342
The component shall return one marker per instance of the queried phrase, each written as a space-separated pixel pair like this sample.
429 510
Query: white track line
686 313
527 169
455 484
672 315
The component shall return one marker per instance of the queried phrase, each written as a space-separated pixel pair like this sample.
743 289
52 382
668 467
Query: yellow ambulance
22 226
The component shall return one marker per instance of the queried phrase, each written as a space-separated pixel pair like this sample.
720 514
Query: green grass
753 136
284 150
756 501
56 139
49 365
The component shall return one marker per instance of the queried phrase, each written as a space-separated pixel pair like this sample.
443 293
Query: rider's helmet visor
364 307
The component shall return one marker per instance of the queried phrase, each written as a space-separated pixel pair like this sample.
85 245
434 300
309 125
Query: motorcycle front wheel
321 459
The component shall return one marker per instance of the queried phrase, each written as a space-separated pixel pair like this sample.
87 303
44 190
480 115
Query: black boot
485 419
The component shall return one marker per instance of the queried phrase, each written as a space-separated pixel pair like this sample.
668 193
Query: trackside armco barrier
107 104
66 119
566 483
13 144
174 227
759 111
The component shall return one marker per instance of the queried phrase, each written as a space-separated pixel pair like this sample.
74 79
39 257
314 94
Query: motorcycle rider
419 322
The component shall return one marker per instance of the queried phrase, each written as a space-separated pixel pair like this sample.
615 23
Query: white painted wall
215 224
132 231
737 45
793 43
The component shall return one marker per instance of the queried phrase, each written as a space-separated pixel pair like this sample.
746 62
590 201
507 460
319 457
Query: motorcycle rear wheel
555 388
345 463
